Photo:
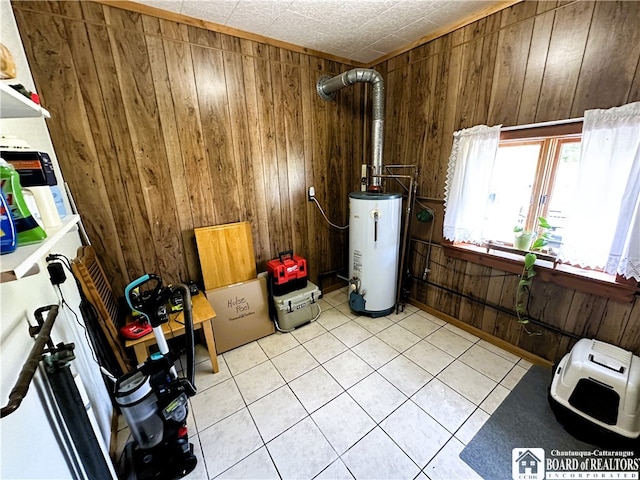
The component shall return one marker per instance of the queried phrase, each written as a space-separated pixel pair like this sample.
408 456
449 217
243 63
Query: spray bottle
28 230
7 227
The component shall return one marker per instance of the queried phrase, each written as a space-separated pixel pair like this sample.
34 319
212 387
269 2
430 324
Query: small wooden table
203 315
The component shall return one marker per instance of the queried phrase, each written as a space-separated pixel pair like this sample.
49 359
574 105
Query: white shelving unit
24 260
16 105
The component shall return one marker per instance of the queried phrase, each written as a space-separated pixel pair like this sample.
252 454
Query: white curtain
603 224
468 180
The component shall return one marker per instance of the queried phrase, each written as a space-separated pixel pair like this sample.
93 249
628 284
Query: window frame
589 281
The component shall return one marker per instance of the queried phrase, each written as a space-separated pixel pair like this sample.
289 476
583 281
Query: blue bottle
7 227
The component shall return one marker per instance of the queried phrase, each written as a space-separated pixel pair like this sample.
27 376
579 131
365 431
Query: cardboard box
242 313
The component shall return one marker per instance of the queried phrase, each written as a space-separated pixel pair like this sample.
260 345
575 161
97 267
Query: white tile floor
349 396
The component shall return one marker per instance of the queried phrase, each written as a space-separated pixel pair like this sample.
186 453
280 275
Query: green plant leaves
543 223
529 260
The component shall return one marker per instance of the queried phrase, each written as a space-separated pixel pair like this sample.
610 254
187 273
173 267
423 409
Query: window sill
592 282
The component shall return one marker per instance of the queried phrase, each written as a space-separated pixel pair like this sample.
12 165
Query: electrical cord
67 264
325 216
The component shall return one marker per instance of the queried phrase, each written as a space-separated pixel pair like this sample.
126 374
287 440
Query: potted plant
524 240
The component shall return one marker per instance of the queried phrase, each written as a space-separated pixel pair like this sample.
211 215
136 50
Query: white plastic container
600 383
374 245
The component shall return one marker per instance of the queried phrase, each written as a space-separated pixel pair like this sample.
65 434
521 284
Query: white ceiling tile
362 30
418 29
216 11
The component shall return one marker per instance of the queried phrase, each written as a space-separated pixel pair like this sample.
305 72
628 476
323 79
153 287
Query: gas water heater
374 239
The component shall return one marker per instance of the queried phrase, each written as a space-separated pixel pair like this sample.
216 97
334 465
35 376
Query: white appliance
599 383
374 239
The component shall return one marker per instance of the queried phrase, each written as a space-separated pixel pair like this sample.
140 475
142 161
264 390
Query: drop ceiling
358 30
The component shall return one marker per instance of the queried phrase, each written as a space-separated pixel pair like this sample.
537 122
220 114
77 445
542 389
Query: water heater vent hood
327 86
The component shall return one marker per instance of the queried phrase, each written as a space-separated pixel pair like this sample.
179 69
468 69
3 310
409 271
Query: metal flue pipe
327 88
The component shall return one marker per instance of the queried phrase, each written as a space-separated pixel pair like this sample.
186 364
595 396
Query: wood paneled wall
160 128
533 62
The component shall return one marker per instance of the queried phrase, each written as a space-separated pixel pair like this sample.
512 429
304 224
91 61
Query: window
587 186
534 175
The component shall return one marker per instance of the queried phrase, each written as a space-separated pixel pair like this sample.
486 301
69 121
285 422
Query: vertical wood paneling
564 58
162 127
535 61
615 70
133 70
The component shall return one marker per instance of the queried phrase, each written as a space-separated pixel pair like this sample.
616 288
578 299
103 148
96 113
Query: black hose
187 308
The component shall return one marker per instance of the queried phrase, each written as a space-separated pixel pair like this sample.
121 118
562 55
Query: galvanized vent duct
327 88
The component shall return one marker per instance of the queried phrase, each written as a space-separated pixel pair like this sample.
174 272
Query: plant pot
523 240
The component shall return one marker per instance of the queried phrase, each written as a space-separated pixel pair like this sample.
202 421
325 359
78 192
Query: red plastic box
287 273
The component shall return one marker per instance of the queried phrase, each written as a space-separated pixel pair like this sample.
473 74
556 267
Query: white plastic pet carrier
600 383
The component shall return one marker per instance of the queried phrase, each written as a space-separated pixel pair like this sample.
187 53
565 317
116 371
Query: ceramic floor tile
416 433
396 317
445 405
375 352
337 297
495 398
468 382
399 338
431 317
429 357
307 332
447 464
332 318
277 343
449 342
229 441
405 375
276 412
343 422
474 423
351 333
324 347
374 325
200 472
245 357
526 364
513 358
258 381
315 388
347 368
204 376
418 325
294 363
346 309
216 403
336 471
256 466
514 376
377 456
377 396
302 451
463 333
491 364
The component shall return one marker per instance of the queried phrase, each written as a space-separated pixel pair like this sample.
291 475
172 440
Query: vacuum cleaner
152 398
595 393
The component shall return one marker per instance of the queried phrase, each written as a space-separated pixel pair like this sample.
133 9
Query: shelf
24 261
16 105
